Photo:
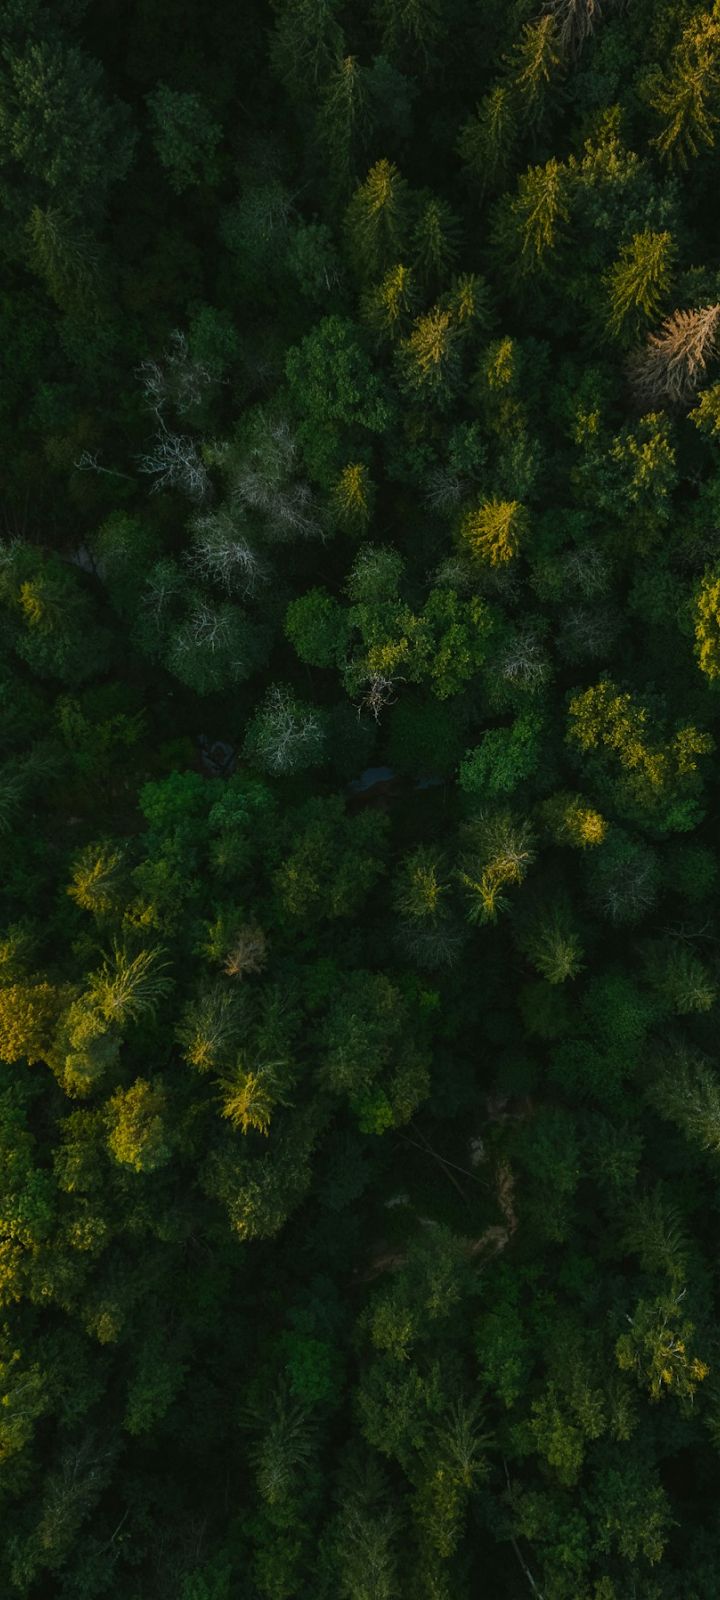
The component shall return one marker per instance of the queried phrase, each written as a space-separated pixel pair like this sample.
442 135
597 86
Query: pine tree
414 25
528 228
488 139
687 95
186 137
352 497
534 64
575 20
308 41
388 305
435 240
377 217
674 360
64 257
429 359
640 279
344 118
282 1445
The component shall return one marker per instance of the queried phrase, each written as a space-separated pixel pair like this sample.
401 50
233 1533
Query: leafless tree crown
673 362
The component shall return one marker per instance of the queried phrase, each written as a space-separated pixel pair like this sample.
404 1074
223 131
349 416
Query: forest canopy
359 900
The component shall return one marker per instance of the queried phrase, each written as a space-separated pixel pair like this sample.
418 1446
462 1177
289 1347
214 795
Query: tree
335 390
495 531
428 930
656 1350
685 95
55 627
653 771
504 758
251 1094
575 21
98 879
137 1136
69 140
528 227
687 1093
186 137
487 140
327 861
364 1533
282 1444
534 64
388 305
499 853
640 279
352 497
317 628
209 1028
414 25
673 362
429 359
28 1016
307 42
707 626
372 1054
344 117
128 987
377 218
573 822
435 240
64 257
285 735
553 945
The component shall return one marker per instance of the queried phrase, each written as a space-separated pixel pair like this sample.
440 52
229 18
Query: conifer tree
687 94
536 59
377 217
640 279
528 228
487 141
674 361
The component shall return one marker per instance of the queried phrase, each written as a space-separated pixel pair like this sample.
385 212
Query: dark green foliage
359 977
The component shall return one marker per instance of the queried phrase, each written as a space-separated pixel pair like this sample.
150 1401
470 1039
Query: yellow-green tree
707 626
494 532
640 279
687 95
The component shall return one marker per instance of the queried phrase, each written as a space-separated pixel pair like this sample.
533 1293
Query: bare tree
262 482
175 463
248 952
176 378
673 363
378 692
524 661
88 462
444 490
286 734
576 19
223 554
587 568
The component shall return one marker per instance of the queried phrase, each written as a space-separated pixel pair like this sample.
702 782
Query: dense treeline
359 654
